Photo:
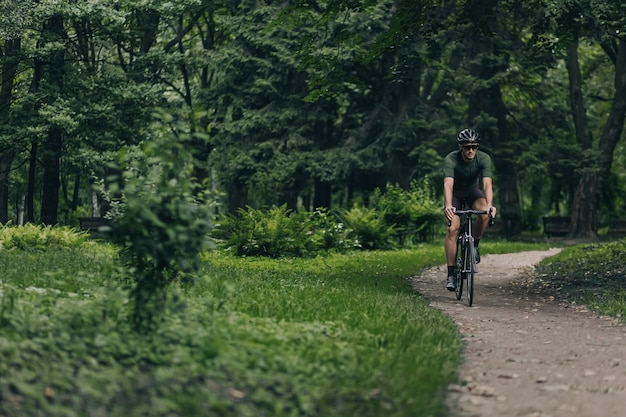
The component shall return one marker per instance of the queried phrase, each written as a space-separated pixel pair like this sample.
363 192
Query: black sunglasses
472 147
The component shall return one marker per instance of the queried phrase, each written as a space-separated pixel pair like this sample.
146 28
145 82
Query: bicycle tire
459 270
471 268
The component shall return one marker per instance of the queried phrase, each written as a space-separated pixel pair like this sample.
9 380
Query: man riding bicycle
462 171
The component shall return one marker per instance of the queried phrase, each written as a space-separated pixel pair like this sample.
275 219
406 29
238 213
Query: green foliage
303 94
34 237
161 226
415 213
397 217
368 228
13 17
280 232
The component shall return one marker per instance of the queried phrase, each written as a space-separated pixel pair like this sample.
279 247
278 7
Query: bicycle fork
470 255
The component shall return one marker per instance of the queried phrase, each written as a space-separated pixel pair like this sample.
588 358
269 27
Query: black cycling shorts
468 197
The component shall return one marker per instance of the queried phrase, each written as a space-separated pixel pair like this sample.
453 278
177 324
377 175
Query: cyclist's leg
450 242
450 246
479 202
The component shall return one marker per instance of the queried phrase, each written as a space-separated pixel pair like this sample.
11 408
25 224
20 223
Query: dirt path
528 354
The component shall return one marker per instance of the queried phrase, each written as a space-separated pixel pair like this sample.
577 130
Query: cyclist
462 173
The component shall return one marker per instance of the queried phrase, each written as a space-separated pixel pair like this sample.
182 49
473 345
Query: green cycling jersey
467 175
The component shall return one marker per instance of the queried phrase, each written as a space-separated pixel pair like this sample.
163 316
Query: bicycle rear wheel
470 263
459 270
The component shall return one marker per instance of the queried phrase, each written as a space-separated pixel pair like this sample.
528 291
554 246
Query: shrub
33 237
327 232
159 224
415 213
368 228
280 232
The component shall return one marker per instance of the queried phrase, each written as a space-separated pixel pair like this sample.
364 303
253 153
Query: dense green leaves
161 227
278 232
394 218
308 105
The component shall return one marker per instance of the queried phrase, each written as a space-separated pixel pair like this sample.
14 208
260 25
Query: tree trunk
400 169
52 148
51 183
579 113
32 178
237 196
584 211
73 204
322 194
21 200
5 168
8 68
593 181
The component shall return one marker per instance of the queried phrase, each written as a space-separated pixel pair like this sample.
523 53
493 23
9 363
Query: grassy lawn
591 274
340 335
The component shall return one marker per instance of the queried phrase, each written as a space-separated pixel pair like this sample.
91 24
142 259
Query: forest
312 104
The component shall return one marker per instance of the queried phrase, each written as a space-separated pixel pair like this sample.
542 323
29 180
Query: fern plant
279 232
414 213
368 228
33 237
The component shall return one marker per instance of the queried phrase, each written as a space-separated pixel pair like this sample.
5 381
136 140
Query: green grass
339 335
370 342
591 274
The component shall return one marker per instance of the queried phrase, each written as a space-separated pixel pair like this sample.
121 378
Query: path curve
526 353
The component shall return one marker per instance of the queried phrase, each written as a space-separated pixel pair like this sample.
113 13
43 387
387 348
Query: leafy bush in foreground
159 225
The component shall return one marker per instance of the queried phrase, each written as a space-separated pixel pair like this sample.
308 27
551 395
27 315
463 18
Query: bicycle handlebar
462 212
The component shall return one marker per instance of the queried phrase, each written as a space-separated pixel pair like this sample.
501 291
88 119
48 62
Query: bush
159 224
280 232
397 217
414 214
368 228
32 237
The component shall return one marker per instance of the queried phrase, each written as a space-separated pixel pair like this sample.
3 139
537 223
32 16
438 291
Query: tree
54 69
599 23
10 59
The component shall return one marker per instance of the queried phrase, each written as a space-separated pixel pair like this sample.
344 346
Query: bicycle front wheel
459 270
470 263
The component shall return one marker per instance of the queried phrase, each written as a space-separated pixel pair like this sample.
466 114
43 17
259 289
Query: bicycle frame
466 256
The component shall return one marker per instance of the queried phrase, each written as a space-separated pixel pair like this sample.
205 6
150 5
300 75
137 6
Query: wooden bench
556 226
617 228
92 224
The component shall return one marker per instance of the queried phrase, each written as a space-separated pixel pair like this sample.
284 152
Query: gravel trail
527 354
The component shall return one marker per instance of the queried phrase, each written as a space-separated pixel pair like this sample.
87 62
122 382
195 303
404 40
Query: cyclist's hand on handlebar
449 212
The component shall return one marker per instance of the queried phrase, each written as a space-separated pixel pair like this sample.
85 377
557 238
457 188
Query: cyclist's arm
488 190
448 185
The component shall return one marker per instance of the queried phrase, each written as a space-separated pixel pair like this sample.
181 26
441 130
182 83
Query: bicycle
466 253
